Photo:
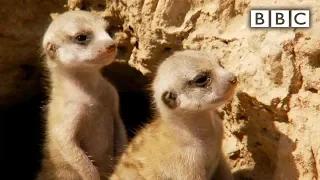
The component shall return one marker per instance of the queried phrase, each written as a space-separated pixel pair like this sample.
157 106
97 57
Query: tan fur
184 142
84 131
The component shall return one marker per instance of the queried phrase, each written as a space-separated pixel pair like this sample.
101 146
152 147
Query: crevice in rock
235 155
296 80
313 90
314 163
136 44
131 29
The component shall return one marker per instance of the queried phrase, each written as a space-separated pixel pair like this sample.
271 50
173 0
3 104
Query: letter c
295 18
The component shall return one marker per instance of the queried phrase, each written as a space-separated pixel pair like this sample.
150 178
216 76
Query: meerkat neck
76 79
196 123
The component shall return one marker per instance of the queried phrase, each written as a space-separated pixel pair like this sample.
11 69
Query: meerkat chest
97 132
97 136
213 145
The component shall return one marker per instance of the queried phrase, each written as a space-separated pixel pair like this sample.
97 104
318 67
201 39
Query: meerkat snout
233 80
111 47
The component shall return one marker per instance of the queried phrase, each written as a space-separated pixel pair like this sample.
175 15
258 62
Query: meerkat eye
201 80
81 39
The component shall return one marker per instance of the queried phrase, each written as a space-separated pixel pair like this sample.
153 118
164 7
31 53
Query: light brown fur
84 130
184 142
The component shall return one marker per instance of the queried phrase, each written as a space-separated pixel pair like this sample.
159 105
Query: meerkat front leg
222 171
69 147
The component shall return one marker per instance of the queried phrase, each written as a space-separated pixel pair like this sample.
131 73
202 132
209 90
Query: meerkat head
77 39
193 81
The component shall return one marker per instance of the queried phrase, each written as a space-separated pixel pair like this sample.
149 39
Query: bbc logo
279 18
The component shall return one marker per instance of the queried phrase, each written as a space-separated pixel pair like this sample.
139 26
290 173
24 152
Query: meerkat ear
51 49
170 99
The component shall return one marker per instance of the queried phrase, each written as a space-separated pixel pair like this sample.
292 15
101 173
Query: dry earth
273 124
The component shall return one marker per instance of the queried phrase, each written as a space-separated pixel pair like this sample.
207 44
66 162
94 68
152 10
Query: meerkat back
184 141
84 130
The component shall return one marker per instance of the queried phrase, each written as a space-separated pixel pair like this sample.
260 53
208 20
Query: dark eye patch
201 80
82 38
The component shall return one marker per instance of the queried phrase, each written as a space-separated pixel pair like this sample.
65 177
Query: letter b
280 18
259 18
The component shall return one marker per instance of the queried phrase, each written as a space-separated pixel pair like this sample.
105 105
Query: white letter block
259 18
280 18
300 18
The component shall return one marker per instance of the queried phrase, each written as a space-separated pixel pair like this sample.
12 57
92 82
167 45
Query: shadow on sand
270 149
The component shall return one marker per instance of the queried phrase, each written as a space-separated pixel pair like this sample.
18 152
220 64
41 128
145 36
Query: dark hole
21 134
137 44
239 135
258 144
167 49
235 155
226 42
122 50
313 90
243 118
28 70
135 111
84 6
101 6
135 101
131 29
120 28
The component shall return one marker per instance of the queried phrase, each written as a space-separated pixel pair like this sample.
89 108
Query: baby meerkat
84 130
184 141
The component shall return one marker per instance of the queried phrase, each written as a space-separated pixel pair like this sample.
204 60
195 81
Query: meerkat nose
234 80
111 47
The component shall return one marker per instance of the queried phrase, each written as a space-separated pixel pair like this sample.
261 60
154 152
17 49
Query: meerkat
184 141
84 130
